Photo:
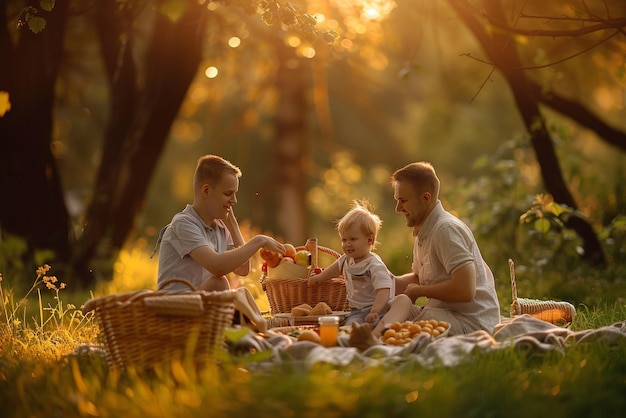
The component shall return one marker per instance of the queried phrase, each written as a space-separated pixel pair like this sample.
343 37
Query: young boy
203 243
370 285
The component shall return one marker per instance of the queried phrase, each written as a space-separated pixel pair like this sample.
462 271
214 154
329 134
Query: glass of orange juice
329 330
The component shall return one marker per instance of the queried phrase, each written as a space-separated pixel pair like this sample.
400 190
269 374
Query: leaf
173 9
257 357
619 222
236 334
5 104
542 225
268 18
36 24
557 209
47 5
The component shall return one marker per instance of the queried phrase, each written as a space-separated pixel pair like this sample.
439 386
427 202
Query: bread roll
301 310
321 308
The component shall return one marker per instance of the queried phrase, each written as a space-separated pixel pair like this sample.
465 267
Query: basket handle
513 285
177 280
311 246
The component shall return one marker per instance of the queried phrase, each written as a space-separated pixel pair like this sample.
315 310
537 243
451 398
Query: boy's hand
231 221
273 245
371 317
312 280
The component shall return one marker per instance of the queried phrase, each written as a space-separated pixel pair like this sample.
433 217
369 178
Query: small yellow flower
70 305
43 270
62 286
50 285
17 322
50 279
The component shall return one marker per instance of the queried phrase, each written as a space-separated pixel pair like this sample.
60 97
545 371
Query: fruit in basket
303 258
271 258
287 259
290 251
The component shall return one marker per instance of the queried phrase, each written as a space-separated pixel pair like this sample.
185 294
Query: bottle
329 330
311 246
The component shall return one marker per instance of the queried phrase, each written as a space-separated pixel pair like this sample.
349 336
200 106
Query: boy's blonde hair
211 169
361 216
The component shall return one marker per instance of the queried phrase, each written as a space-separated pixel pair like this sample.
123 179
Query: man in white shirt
448 268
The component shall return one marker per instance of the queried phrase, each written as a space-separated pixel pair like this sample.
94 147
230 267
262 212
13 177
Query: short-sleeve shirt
444 245
364 278
185 233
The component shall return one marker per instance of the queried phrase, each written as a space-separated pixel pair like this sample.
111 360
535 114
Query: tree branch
582 115
619 24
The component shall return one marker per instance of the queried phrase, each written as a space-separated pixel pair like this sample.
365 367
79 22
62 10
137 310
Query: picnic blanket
524 333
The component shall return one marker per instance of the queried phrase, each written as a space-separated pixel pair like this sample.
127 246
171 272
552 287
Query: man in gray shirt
203 243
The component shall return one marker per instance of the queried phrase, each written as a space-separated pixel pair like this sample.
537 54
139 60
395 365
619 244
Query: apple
287 259
303 258
290 251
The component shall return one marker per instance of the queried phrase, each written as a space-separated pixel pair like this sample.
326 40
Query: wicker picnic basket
546 310
147 327
286 286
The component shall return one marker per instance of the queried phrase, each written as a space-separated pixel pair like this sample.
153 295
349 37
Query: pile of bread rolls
305 309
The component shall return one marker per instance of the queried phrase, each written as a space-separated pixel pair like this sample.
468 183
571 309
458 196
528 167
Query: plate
293 331
311 318
296 330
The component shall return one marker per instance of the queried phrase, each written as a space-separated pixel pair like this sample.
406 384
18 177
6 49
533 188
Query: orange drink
329 330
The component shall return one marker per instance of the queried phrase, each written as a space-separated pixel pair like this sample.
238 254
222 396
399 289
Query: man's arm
220 264
460 287
403 281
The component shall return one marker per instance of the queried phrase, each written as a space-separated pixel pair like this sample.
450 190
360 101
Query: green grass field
42 376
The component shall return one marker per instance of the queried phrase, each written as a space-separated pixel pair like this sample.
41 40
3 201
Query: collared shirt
185 233
443 245
364 278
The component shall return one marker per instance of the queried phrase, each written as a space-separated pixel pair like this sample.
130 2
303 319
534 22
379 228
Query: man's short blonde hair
420 175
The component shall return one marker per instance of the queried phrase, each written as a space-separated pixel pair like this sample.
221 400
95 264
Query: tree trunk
33 205
291 146
500 46
138 128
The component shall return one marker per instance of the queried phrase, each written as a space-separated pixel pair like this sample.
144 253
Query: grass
43 374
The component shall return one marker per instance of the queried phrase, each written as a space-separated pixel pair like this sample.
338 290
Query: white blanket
524 333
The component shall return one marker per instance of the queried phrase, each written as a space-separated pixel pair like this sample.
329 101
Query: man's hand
413 291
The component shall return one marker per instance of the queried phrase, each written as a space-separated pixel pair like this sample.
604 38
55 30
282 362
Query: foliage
55 329
30 15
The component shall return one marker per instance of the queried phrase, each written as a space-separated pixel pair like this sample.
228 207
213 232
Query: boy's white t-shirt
364 278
